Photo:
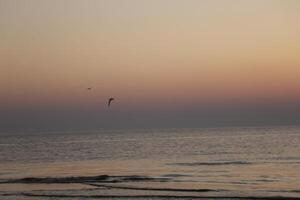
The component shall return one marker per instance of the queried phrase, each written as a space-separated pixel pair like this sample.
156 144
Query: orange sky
148 52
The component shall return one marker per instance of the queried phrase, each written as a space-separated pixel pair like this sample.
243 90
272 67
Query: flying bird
89 88
109 101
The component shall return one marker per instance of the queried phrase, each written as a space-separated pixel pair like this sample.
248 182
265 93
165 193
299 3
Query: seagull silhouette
109 101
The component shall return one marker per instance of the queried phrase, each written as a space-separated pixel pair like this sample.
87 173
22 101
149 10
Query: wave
176 175
151 196
85 179
153 189
105 181
213 163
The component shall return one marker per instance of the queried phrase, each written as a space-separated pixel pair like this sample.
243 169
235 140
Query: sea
202 163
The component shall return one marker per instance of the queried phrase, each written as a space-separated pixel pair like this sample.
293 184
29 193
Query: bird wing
110 100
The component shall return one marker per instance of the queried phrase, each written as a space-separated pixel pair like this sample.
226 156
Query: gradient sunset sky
168 63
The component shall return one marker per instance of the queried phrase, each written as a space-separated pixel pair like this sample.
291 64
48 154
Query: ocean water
221 163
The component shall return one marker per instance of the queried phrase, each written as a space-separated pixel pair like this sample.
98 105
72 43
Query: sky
171 63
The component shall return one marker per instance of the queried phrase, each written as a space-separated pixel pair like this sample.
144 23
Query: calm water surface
152 164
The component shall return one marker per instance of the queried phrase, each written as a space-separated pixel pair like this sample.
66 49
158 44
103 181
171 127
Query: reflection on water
174 162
